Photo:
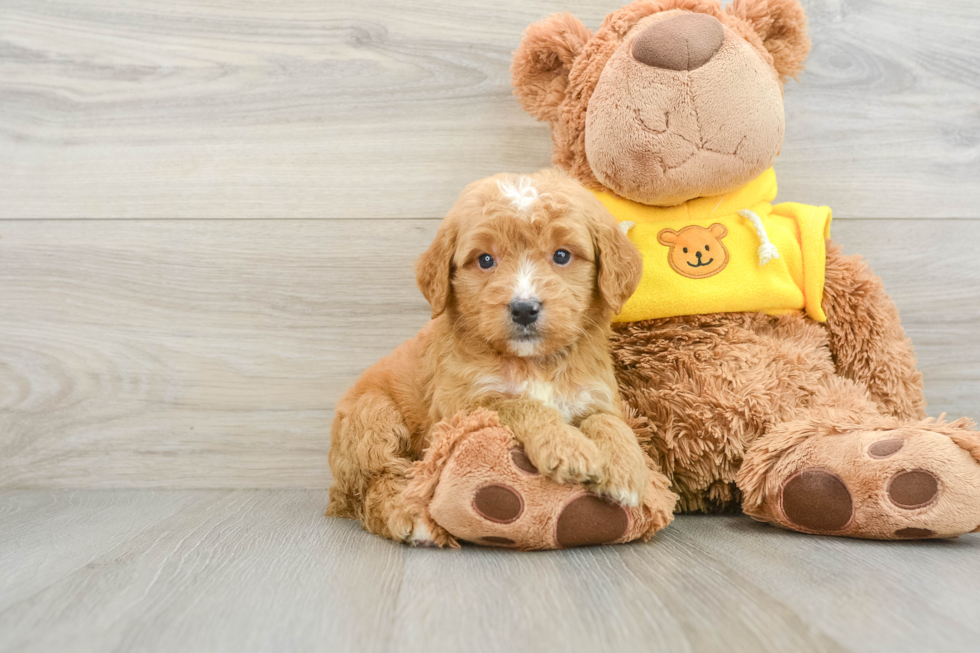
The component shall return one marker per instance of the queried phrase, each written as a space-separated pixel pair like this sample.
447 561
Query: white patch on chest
572 405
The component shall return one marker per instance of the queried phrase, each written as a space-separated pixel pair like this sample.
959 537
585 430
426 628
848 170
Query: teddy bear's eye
486 261
685 250
707 248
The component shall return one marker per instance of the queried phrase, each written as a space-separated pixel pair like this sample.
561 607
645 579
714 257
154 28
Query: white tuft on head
522 195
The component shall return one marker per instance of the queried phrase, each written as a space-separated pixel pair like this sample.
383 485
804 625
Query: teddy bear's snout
683 42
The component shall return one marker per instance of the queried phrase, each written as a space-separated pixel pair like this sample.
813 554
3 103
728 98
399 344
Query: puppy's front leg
624 477
557 449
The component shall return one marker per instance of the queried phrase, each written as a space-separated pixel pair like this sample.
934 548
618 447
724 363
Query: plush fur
550 383
817 427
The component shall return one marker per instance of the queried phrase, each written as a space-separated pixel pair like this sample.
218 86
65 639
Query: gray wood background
209 210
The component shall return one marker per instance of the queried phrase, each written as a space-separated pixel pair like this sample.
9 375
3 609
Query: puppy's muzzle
525 311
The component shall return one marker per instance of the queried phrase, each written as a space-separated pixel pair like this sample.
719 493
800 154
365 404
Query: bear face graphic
696 252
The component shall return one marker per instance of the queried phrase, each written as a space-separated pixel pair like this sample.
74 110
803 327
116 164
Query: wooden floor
209 212
263 570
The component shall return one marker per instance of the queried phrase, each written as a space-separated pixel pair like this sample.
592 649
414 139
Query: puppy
523 277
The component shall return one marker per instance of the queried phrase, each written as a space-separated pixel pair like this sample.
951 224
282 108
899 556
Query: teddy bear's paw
909 483
491 493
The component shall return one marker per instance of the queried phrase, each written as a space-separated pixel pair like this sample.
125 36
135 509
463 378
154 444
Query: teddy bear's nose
683 42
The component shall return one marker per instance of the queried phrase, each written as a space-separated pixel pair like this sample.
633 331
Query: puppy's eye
685 250
562 257
707 248
486 261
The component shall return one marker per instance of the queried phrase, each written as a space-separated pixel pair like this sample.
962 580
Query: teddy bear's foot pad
586 520
817 500
893 485
488 492
515 506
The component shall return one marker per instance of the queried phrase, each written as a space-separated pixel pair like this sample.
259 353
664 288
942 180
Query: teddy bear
761 369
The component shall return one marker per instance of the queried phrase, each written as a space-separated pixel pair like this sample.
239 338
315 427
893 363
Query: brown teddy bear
777 377
762 369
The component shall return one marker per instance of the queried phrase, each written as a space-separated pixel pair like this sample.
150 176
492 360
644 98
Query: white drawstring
626 225
767 251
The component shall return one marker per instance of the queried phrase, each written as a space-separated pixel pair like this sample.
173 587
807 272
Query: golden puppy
523 277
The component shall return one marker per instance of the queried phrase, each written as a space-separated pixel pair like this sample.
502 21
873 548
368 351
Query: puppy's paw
421 536
624 486
399 525
407 526
625 476
411 529
566 456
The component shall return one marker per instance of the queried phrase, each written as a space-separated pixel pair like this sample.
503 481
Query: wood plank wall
209 209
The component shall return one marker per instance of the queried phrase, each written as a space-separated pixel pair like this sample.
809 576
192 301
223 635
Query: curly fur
553 385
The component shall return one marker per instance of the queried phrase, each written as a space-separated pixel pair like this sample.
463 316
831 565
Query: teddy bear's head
670 99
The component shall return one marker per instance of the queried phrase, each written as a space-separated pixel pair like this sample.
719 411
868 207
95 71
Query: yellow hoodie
734 253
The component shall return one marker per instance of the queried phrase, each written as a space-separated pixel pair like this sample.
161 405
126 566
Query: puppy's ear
782 26
619 264
539 72
434 269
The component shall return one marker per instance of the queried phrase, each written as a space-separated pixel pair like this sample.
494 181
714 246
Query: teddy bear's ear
539 72
667 237
782 26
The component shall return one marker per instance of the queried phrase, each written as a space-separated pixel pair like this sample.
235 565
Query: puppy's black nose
525 311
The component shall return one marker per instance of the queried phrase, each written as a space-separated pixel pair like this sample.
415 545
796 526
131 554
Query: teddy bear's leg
477 484
845 470
866 336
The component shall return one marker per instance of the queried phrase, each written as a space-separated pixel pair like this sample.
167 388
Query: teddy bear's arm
867 341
